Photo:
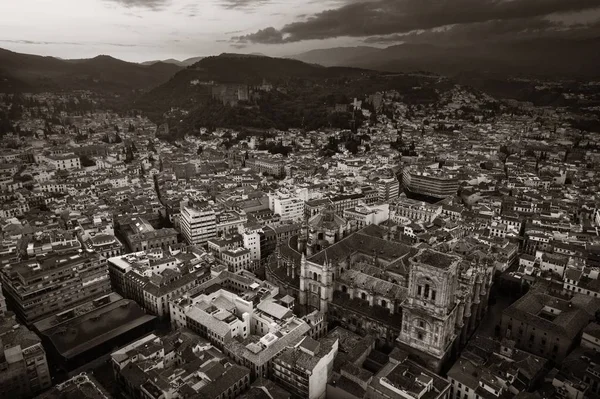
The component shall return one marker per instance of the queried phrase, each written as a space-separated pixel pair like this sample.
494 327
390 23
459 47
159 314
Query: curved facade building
435 183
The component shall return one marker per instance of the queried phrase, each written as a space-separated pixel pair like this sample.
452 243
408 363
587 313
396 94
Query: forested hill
298 94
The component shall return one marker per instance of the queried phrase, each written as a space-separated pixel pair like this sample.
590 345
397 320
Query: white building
290 208
365 215
65 162
252 244
198 224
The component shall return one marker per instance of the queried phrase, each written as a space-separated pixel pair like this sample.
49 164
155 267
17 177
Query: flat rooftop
86 331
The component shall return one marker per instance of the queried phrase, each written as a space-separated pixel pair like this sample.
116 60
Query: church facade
424 300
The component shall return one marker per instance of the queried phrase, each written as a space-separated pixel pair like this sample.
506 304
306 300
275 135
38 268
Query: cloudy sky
140 30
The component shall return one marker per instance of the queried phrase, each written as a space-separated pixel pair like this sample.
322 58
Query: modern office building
388 189
37 288
289 207
198 223
431 182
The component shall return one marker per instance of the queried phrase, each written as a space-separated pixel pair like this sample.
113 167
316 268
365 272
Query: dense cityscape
298 199
443 250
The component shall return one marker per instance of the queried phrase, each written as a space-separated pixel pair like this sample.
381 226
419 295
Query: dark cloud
266 36
155 5
389 17
465 33
242 4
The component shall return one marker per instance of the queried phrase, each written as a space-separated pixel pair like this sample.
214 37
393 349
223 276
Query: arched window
314 276
384 303
363 296
344 289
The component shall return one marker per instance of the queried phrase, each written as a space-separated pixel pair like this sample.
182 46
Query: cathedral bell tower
429 312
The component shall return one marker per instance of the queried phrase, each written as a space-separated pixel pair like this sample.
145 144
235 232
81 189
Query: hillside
193 85
303 95
102 73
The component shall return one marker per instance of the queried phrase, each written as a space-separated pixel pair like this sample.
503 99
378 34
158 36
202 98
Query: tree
373 117
86 161
24 178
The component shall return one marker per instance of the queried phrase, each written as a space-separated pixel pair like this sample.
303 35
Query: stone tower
303 276
326 286
429 312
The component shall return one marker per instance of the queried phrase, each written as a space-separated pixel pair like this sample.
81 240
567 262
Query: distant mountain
169 61
338 56
191 61
32 72
183 64
568 58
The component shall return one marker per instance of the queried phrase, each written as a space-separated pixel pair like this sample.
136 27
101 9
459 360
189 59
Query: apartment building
152 278
237 259
251 334
413 210
24 369
546 325
305 368
178 365
264 165
65 162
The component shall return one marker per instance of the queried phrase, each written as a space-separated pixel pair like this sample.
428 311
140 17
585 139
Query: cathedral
427 301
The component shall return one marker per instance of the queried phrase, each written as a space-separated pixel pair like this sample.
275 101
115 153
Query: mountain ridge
535 57
20 71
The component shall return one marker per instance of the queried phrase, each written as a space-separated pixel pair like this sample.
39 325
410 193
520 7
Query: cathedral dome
327 220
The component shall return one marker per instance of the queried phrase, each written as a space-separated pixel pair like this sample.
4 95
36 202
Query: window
420 336
433 295
419 289
426 291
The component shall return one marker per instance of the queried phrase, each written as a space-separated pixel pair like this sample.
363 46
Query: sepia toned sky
141 30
